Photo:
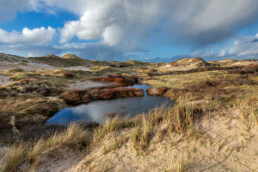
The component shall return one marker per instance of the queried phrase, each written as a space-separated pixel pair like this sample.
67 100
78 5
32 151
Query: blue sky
147 30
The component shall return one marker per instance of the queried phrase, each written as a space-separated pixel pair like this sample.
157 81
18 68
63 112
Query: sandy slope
61 160
225 146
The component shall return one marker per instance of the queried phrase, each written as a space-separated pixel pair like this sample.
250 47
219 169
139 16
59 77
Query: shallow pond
97 111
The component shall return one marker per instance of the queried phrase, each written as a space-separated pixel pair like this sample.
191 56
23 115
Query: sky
145 30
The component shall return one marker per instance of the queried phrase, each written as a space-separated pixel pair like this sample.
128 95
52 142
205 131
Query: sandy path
88 84
83 68
37 67
28 67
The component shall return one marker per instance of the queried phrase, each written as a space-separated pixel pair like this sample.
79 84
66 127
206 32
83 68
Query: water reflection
97 111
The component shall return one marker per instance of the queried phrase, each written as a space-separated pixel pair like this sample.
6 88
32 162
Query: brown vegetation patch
28 111
250 69
68 75
34 86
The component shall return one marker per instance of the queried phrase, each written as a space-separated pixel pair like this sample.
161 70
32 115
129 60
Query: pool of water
97 111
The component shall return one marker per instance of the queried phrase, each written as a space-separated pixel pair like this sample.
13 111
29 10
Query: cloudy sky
154 30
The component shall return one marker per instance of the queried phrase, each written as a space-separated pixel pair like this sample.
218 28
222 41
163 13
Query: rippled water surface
97 111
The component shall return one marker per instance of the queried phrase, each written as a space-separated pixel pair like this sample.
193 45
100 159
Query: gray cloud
199 22
9 8
94 51
243 48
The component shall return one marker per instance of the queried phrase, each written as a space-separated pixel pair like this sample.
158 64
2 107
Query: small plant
178 165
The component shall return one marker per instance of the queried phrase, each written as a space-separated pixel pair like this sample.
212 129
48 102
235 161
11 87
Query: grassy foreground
180 119
140 134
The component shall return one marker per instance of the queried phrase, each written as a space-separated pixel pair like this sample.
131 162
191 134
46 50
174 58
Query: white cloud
38 36
111 21
245 46
223 52
90 26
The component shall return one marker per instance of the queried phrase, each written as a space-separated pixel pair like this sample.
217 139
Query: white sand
89 84
83 68
36 67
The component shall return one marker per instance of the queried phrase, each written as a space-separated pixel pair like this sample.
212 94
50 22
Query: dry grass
111 125
178 164
142 134
27 153
116 142
179 119
248 110
213 89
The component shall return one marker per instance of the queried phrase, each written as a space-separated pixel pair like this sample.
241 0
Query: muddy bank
75 97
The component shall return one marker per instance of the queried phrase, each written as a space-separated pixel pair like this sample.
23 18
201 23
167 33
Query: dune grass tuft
27 153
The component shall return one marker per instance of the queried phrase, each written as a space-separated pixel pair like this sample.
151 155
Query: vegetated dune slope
221 143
